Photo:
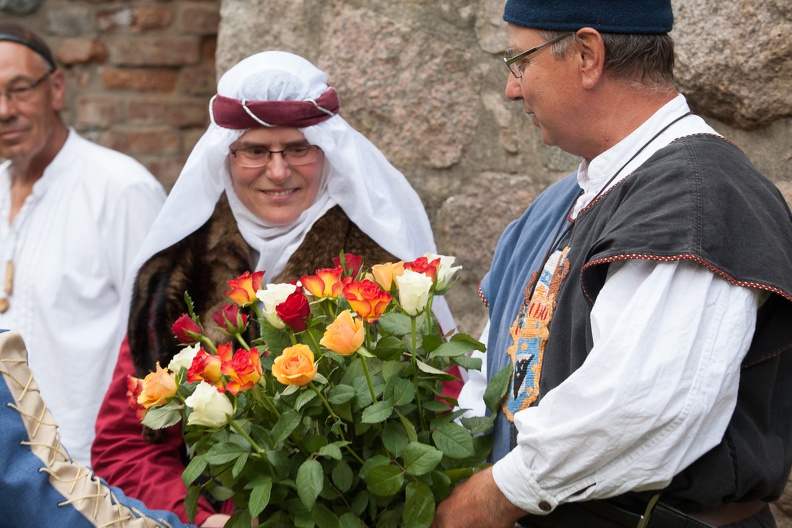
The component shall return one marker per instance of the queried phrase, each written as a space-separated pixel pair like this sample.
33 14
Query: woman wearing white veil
279 182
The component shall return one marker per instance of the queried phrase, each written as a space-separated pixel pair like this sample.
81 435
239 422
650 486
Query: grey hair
641 60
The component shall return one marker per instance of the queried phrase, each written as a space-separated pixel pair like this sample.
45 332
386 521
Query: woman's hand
217 520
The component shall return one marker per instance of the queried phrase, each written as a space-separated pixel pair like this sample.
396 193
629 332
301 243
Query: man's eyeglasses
517 70
253 157
23 91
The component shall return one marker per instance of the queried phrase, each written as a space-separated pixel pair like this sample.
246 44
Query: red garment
121 456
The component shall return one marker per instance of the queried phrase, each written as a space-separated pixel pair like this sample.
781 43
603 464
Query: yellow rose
344 335
295 366
385 273
158 388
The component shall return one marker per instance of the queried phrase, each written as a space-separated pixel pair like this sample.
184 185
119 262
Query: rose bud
230 319
186 330
295 311
351 264
243 288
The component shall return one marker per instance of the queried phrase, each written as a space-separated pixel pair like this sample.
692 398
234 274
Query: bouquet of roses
333 415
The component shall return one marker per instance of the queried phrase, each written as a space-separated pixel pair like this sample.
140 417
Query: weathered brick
188 113
155 51
147 111
145 140
199 19
72 21
208 49
116 18
100 111
165 168
139 79
198 80
145 18
80 51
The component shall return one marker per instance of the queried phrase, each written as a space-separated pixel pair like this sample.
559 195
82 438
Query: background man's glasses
22 91
253 157
517 65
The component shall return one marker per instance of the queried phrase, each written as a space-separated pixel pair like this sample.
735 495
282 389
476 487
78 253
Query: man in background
72 216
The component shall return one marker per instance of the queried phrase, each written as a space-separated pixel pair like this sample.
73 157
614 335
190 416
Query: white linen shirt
71 244
659 386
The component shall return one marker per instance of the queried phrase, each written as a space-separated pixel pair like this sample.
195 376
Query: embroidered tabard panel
530 331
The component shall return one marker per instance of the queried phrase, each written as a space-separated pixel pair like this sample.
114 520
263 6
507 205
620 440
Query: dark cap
22 35
606 16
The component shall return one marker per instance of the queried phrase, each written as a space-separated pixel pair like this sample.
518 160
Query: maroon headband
239 115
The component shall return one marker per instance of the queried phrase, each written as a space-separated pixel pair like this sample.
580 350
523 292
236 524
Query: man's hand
477 503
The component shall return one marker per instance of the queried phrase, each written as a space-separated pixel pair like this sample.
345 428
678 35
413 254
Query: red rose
423 265
295 311
230 319
186 330
351 264
134 388
244 369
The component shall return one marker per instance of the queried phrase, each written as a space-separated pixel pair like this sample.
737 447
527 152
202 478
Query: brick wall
140 73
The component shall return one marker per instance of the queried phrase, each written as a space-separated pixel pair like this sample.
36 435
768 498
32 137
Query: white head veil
372 193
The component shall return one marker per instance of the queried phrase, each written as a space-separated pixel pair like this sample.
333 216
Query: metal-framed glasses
254 157
517 63
23 91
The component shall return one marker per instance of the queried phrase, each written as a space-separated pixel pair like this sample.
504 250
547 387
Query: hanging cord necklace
8 283
566 225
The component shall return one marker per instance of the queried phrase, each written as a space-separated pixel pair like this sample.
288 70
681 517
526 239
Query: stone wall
139 72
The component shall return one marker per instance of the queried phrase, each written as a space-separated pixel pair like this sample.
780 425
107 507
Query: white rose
445 272
272 296
184 358
413 291
209 407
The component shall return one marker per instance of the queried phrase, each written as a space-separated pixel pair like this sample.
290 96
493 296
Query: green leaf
390 348
423 367
396 323
412 435
260 496
420 459
287 423
478 424
276 339
497 387
468 363
340 394
323 517
453 440
221 493
194 469
400 391
379 412
304 397
394 438
224 453
451 349
371 463
350 520
191 501
342 477
240 519
239 465
385 481
331 451
310 479
164 415
419 508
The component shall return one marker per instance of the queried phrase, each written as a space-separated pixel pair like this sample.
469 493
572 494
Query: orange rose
208 367
344 335
295 366
243 288
158 388
385 273
367 299
326 283
244 369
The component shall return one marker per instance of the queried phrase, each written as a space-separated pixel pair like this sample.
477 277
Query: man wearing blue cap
641 306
